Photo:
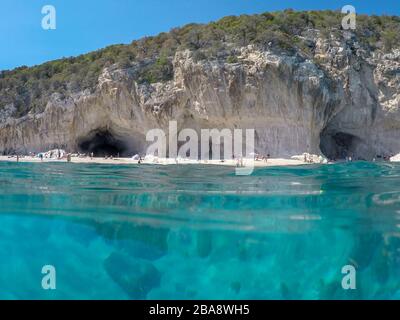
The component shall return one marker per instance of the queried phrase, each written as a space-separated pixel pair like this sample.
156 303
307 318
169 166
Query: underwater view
199 232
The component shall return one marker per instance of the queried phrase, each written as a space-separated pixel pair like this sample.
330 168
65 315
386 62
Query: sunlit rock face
342 101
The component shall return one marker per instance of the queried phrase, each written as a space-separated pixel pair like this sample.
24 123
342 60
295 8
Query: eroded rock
343 101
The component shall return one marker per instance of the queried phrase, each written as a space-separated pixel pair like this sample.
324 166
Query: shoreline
271 162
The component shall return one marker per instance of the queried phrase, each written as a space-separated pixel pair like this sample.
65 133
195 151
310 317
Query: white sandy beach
160 161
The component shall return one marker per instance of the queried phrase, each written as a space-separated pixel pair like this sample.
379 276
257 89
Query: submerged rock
140 249
147 235
137 277
204 243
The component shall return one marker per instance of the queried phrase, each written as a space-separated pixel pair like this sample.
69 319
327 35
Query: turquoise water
199 232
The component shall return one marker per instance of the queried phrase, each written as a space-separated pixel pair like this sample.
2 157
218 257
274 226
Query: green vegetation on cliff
29 88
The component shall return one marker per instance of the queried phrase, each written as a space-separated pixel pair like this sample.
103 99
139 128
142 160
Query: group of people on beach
262 158
56 154
59 154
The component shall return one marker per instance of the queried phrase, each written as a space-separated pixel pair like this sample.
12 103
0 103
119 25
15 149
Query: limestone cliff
339 99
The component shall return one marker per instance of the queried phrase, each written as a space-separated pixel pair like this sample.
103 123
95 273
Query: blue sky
86 25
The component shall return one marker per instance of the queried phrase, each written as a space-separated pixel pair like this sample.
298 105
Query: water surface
199 232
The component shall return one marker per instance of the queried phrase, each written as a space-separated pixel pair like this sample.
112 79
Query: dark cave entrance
104 143
339 145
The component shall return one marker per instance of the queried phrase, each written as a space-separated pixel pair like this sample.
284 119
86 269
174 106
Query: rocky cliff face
341 101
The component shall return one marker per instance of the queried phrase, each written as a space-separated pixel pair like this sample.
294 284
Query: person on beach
68 157
17 158
91 156
41 156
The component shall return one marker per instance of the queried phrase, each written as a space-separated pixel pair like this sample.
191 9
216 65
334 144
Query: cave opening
103 143
339 145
